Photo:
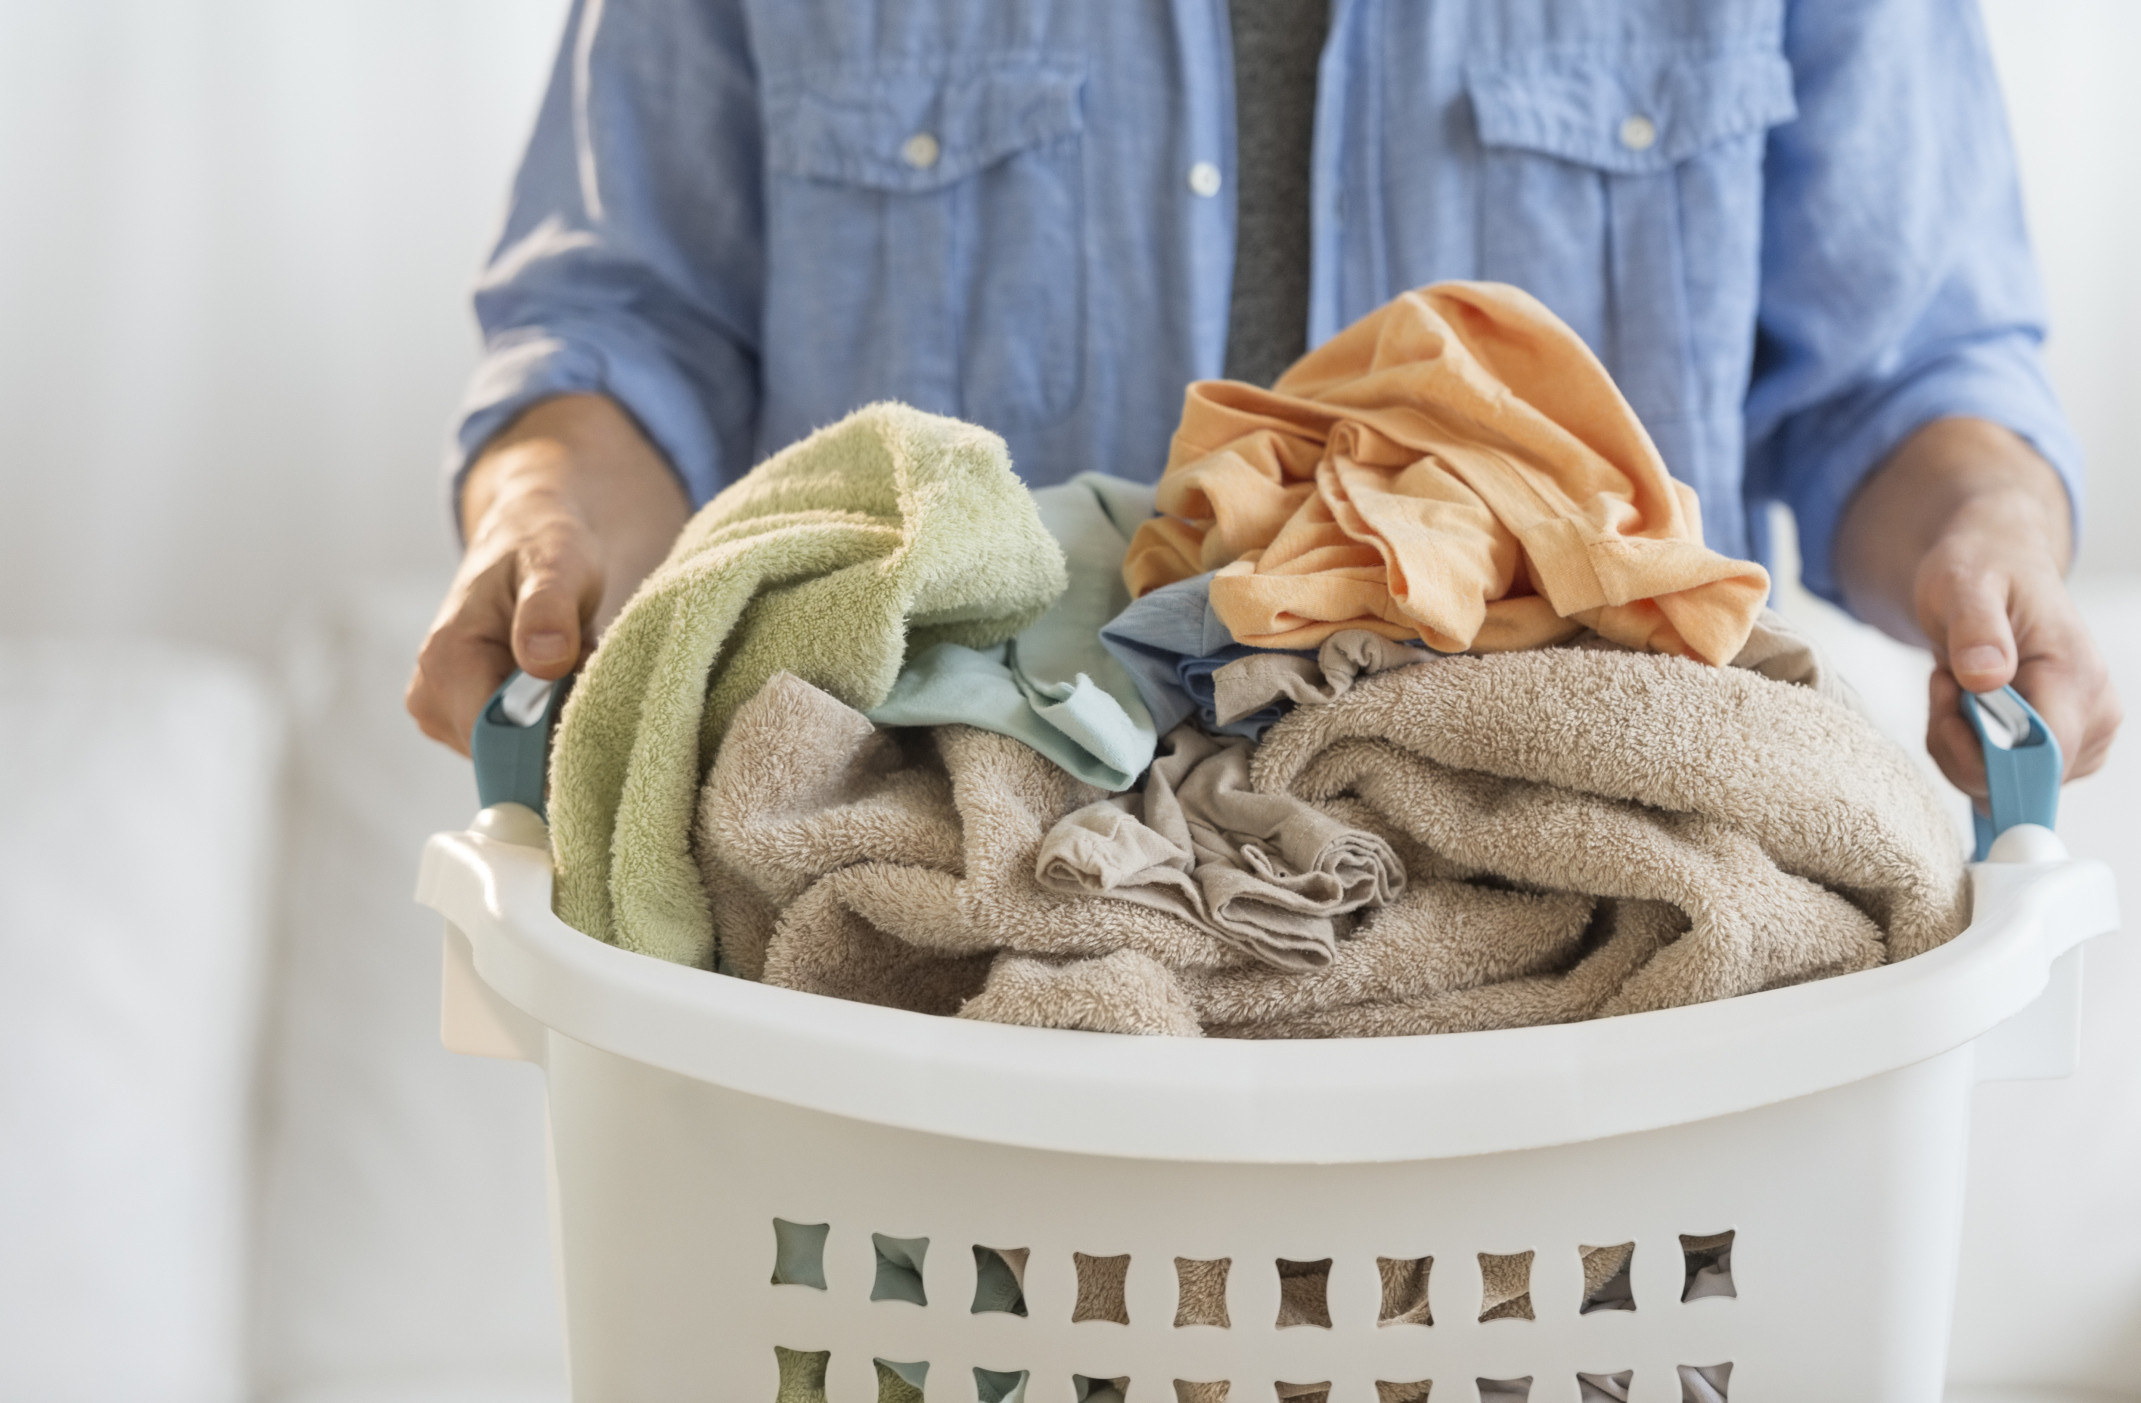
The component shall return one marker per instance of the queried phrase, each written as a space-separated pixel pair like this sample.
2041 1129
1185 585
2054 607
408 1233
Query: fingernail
544 647
1979 657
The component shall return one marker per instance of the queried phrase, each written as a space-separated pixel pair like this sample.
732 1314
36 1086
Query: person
1790 228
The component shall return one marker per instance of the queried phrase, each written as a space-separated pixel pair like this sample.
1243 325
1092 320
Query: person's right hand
566 511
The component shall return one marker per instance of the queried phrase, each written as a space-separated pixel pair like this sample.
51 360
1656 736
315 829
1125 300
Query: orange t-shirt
1456 466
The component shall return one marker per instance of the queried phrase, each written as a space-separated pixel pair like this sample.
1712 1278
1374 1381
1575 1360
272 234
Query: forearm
1957 487
574 453
1960 541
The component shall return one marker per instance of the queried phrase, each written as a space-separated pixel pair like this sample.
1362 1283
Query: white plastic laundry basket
1824 1126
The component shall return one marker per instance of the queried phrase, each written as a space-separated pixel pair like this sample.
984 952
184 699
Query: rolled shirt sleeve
632 255
1898 285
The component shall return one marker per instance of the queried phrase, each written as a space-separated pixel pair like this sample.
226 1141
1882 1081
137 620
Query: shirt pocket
926 235
1623 187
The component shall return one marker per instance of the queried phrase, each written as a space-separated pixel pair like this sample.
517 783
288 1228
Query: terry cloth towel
1266 872
888 530
1054 686
1791 837
890 866
1172 644
1582 831
1585 832
1261 681
1455 467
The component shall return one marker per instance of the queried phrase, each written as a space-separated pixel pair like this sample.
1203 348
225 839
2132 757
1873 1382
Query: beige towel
1585 833
892 867
1796 839
1267 872
1247 685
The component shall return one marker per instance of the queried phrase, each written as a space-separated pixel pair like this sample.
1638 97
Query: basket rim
1279 1101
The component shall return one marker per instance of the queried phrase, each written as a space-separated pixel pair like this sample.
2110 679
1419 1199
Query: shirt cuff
1826 453
525 365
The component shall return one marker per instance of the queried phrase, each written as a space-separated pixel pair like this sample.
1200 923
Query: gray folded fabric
1251 684
1268 873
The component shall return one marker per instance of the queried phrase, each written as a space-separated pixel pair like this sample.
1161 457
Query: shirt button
1204 179
920 151
1638 132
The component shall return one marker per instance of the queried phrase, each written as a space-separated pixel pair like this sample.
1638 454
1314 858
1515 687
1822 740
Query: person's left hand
1960 541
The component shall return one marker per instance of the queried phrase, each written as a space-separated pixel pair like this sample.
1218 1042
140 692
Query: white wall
2068 66
233 321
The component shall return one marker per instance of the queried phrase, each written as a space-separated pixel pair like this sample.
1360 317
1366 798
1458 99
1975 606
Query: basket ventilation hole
1102 1290
900 1383
1414 1392
1304 1393
1604 1388
799 1253
999 1279
1188 1392
1606 1281
1405 1293
1708 1383
1709 1262
1086 1390
899 1268
1201 1299
1305 1293
802 1373
1505 1291
1505 1390
994 1386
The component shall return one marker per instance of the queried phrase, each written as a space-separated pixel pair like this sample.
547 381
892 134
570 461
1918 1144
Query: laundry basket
709 1134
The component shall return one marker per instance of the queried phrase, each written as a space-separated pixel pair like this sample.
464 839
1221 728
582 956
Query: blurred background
235 241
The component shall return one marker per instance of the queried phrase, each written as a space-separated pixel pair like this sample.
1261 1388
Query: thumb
1979 645
560 584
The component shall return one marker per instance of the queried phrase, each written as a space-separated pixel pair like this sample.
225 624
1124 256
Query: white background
235 237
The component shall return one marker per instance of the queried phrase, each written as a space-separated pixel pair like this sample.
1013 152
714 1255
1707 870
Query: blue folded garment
1171 643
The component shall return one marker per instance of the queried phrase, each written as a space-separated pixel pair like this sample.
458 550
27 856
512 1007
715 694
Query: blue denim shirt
1791 230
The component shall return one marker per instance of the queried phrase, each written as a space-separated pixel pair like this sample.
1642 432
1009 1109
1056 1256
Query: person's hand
566 511
1960 541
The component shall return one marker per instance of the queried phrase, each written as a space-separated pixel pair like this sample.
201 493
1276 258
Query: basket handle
510 741
2022 764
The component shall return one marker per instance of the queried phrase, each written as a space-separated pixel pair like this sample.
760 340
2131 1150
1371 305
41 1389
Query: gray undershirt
1276 47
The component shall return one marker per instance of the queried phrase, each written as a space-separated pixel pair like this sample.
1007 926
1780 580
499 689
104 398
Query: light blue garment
1790 228
1171 643
1053 686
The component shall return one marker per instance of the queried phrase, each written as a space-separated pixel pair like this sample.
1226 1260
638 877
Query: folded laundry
1054 686
890 530
1251 685
1172 643
1267 872
1455 467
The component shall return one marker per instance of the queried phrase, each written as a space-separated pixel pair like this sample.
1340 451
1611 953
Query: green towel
892 529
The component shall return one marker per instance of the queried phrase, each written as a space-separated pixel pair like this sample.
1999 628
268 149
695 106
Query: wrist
1959 496
576 460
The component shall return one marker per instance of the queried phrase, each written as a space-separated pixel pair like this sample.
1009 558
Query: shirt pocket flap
917 129
1630 113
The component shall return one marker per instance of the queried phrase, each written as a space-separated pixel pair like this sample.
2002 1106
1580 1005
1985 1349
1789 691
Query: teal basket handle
511 740
2022 763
